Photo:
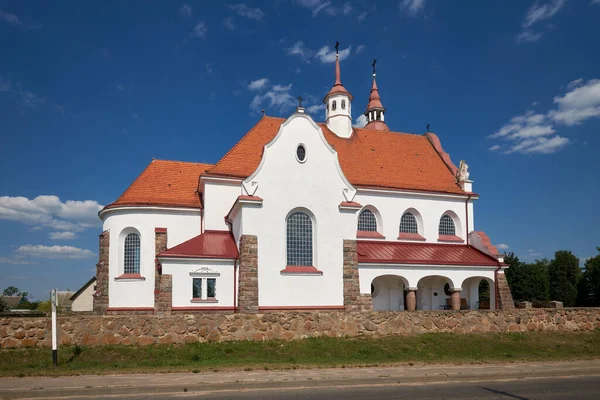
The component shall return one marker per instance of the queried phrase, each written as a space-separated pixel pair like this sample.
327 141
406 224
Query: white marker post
54 333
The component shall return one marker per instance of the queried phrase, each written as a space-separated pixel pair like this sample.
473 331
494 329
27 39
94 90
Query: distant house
83 299
12 302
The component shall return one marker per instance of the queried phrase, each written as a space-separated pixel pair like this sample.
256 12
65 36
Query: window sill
300 270
130 277
449 239
209 300
410 236
369 235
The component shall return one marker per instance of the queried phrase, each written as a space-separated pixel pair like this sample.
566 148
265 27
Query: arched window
367 221
333 105
447 226
343 104
131 254
299 239
408 223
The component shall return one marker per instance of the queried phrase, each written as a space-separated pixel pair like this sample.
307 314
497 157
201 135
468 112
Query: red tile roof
165 183
368 158
210 244
422 253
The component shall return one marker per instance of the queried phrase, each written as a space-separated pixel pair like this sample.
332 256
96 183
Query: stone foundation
188 328
101 292
504 297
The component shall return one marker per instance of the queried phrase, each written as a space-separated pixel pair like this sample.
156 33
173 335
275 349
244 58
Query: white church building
302 215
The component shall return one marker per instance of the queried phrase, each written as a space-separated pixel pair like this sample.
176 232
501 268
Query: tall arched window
447 226
333 105
367 221
131 256
343 104
408 223
299 239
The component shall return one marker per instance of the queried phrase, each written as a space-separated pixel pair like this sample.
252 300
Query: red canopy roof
210 244
422 253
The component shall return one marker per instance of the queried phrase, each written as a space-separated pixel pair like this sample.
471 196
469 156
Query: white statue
463 171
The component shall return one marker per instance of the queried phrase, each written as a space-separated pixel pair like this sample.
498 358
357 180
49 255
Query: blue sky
91 91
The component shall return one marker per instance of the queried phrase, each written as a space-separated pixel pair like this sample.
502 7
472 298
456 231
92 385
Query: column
456 298
101 291
248 275
354 300
411 299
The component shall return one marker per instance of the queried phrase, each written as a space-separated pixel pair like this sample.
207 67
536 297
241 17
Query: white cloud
595 2
185 11
412 7
199 30
13 20
315 108
16 260
322 7
259 84
120 88
531 132
502 246
62 235
228 22
300 50
360 49
278 97
360 122
22 97
327 54
495 147
362 16
209 67
538 12
56 252
347 8
244 11
50 212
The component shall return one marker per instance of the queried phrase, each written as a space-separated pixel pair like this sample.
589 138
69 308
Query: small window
343 104
367 221
378 115
299 240
301 153
211 284
197 288
333 105
131 254
447 226
408 223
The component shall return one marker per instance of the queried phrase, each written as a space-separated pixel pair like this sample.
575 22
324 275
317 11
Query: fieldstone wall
505 299
188 328
101 294
248 275
163 284
353 299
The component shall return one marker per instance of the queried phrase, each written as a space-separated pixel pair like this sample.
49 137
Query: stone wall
163 284
187 328
353 299
248 275
101 295
504 297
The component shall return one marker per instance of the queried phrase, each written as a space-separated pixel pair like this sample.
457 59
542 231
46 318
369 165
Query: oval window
343 104
301 153
333 105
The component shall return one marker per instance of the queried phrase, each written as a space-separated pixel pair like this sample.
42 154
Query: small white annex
302 215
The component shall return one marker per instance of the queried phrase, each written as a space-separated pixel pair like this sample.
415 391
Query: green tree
528 282
564 275
14 291
588 290
2 306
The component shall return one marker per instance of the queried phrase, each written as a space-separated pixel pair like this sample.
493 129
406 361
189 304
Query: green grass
316 352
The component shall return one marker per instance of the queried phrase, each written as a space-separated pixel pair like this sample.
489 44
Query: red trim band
369 235
450 238
300 308
410 236
160 230
301 269
131 276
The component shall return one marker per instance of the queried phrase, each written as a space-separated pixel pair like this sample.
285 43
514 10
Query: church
302 215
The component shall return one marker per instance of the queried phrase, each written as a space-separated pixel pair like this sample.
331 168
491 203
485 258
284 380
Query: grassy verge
317 352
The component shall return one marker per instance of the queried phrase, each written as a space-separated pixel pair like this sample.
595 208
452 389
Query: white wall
85 300
181 225
285 185
391 206
218 199
180 270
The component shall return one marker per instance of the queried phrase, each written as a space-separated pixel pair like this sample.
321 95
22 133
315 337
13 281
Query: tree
2 306
564 275
14 291
528 282
588 290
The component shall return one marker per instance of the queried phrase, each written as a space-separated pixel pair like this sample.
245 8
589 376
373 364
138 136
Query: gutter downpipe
467 218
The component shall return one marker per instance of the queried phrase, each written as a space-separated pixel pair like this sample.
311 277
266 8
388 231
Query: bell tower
338 104
375 111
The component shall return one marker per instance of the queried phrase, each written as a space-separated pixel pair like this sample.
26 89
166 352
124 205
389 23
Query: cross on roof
300 101
337 47
373 65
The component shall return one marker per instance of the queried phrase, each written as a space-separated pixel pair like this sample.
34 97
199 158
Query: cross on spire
373 65
337 47
300 101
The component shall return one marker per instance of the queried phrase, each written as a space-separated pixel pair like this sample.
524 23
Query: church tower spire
375 110
338 101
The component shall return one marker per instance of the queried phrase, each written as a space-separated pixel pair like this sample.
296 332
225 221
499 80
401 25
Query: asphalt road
523 389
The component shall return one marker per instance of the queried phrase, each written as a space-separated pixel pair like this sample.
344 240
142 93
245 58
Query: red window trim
450 238
301 269
135 277
410 236
369 235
